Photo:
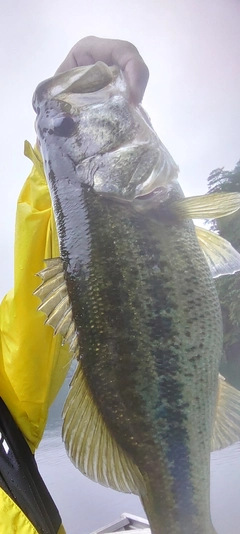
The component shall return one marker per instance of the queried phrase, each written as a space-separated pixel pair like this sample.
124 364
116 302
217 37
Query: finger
137 75
79 55
111 51
127 57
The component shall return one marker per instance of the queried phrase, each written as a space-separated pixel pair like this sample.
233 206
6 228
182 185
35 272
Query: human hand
125 55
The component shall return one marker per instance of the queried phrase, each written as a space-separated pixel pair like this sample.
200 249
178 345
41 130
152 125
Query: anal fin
226 429
221 257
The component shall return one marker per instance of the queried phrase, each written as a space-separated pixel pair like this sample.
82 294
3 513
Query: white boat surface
126 522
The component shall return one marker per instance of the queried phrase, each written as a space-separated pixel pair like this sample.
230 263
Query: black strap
20 478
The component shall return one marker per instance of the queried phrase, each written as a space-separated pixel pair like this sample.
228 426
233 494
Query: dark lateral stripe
171 408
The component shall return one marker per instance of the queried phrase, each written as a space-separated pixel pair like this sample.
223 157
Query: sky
192 49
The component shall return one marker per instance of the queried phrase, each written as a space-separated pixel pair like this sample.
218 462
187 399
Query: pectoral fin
212 206
55 303
226 429
221 257
90 445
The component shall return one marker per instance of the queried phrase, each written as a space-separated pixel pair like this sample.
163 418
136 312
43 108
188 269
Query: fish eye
64 126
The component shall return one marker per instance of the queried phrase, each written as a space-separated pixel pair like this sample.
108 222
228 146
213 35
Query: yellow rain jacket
33 364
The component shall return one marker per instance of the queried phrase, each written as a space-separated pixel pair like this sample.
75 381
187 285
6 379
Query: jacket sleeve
33 363
12 519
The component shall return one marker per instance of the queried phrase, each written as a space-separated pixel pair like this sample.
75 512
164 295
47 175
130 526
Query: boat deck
124 523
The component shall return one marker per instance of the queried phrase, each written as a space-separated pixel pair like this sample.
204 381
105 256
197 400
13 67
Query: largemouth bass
133 294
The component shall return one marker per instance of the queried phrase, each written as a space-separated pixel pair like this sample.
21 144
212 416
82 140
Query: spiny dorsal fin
90 445
212 206
55 303
226 429
221 257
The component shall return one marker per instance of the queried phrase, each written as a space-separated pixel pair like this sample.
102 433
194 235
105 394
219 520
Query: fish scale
133 295
121 247
163 360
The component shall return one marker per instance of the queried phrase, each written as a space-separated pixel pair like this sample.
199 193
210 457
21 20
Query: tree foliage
229 286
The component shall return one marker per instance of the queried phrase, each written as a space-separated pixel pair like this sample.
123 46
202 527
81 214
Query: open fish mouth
109 143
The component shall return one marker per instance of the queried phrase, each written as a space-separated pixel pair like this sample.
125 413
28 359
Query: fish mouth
85 80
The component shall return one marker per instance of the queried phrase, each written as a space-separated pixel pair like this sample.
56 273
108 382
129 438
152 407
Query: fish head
85 121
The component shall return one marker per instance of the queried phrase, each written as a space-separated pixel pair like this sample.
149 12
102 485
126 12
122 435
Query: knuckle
85 42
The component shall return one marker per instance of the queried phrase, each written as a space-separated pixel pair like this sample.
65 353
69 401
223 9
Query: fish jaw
85 81
109 142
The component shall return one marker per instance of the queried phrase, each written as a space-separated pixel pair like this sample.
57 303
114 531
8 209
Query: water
85 505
